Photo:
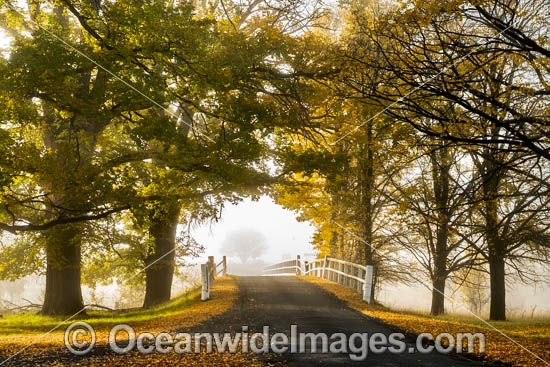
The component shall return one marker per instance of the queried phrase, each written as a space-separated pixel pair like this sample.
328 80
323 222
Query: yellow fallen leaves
213 359
498 347
224 294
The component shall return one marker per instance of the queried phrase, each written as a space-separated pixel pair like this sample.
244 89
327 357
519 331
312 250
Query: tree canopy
414 136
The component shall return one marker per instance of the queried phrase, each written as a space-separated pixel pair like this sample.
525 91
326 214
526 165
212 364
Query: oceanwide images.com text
80 338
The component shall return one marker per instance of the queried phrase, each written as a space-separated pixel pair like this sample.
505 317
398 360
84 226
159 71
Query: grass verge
185 311
31 323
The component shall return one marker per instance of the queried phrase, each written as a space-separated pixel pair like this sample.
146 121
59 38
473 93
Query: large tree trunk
160 273
438 295
498 288
496 265
496 245
63 295
69 136
440 272
159 276
440 160
63 292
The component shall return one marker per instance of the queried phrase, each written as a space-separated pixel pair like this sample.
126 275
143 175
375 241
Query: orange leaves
498 347
50 347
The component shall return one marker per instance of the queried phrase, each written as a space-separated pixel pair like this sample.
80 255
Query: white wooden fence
209 272
355 276
288 267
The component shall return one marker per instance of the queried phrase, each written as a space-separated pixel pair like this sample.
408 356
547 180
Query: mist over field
258 224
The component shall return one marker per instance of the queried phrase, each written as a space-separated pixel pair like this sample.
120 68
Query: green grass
30 322
536 327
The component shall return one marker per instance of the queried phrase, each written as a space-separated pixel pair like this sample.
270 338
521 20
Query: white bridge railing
355 276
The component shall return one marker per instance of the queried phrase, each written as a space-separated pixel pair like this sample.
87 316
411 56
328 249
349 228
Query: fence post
318 269
367 286
323 271
298 265
205 275
212 267
224 264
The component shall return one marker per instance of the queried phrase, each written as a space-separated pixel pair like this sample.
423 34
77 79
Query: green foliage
181 125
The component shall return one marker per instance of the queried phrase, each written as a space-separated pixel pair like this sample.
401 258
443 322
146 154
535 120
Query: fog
254 234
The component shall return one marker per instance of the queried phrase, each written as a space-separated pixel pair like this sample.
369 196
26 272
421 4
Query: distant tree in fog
246 244
475 289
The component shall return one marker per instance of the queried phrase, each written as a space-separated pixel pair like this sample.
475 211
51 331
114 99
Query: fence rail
354 276
288 267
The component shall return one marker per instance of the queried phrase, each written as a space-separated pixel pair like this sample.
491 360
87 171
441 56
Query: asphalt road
279 302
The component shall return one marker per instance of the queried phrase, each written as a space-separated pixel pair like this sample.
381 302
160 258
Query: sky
285 236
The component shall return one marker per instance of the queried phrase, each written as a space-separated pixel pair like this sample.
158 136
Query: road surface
278 302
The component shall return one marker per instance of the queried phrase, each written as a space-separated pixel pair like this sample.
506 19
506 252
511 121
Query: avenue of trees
414 136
